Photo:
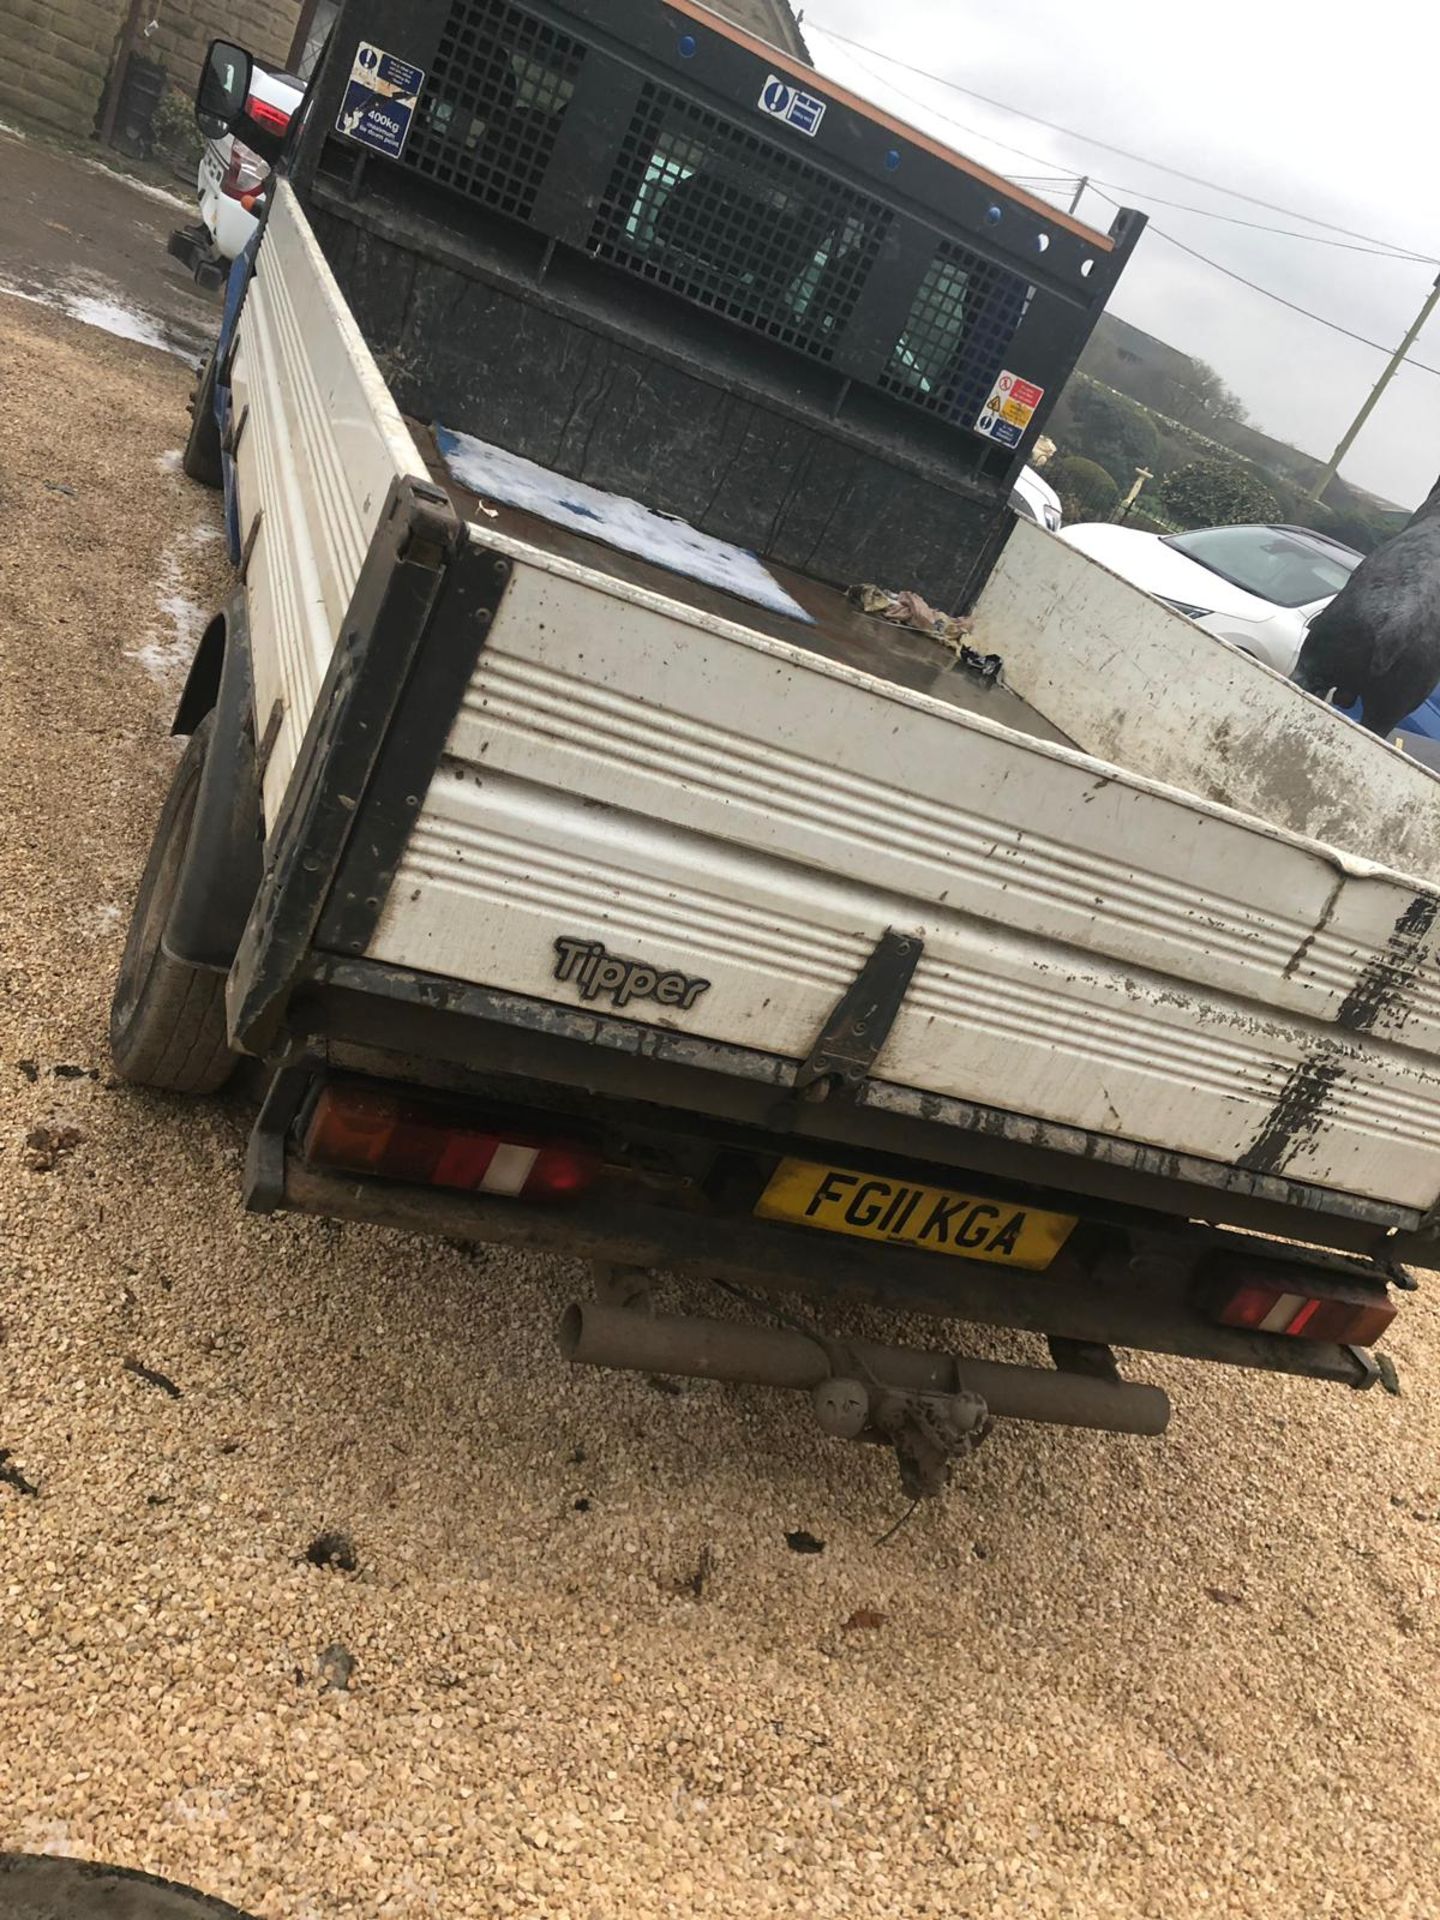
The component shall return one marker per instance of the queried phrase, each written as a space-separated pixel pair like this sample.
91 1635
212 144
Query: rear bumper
1135 1290
231 225
396 1023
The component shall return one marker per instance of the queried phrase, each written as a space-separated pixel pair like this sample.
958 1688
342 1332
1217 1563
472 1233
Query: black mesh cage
730 220
711 208
498 92
624 240
958 334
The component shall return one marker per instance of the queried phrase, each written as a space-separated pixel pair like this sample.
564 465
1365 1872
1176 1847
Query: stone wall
265 27
58 52
57 55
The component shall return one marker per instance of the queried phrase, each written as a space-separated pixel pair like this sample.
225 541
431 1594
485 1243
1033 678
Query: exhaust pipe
592 1335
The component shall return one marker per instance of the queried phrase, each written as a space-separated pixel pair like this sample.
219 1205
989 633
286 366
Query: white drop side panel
320 444
1100 951
1135 683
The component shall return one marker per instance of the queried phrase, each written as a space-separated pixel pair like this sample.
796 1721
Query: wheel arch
225 858
202 683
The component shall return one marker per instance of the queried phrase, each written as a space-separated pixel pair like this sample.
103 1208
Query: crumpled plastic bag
907 609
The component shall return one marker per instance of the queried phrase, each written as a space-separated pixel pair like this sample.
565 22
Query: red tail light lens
1349 1319
272 119
367 1130
246 173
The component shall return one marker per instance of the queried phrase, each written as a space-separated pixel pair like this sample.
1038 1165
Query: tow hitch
929 1431
932 1408
195 249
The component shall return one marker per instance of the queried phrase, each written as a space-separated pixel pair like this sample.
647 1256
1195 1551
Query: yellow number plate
905 1214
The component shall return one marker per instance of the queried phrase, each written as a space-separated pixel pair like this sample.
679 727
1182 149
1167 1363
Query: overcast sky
1331 113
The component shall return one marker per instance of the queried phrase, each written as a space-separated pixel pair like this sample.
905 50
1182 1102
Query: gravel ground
576 1669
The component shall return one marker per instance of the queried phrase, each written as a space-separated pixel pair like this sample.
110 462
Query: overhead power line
1270 294
1068 181
976 133
1106 146
1217 266
1260 226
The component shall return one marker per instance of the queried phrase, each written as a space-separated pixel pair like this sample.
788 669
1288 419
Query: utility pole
1432 300
1080 186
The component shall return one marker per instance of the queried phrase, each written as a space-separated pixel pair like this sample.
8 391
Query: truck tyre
35 1887
167 1020
201 459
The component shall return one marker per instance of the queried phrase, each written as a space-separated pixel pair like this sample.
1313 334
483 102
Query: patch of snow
107 916
151 192
169 647
669 543
14 132
54 1838
110 315
213 1805
171 462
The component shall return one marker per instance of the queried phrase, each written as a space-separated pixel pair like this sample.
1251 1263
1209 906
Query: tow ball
932 1408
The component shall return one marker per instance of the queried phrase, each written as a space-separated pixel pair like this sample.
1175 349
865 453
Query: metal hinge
269 738
248 550
235 432
851 1039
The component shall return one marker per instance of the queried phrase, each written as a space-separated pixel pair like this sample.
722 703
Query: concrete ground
75 228
570 1663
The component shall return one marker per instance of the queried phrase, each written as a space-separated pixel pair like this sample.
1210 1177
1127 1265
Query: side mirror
225 103
224 88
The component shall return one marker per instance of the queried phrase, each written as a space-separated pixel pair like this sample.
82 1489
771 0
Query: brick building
60 53
771 19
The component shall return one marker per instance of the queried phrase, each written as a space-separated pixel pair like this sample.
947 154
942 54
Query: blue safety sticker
785 101
380 100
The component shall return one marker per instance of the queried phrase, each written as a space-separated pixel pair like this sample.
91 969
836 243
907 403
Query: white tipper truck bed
799 952
1150 934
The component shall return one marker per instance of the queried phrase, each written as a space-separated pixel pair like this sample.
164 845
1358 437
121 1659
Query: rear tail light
366 1130
246 173
272 119
1289 1304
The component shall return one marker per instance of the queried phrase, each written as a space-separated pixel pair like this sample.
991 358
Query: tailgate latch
851 1039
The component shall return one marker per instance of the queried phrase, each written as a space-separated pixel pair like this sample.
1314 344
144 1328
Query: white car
1258 587
231 174
1035 499
231 178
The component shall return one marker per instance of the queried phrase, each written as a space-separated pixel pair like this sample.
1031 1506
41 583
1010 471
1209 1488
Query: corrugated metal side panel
1100 951
321 443
1136 684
